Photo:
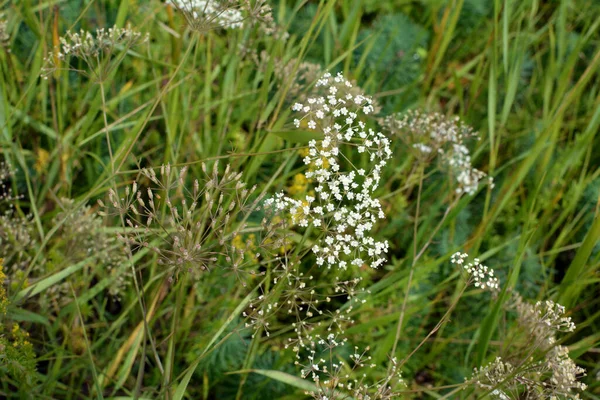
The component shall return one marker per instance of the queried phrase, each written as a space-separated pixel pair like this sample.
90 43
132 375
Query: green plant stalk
573 283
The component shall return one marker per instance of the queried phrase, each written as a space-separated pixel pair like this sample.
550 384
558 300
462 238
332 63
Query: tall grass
106 297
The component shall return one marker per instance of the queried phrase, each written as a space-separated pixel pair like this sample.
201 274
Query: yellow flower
238 243
20 337
42 160
299 184
303 152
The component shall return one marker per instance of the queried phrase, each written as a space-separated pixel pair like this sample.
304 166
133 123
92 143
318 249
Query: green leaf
181 388
282 377
122 14
45 283
571 286
28 316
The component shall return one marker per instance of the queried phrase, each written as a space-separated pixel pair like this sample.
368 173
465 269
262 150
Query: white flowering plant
342 207
243 199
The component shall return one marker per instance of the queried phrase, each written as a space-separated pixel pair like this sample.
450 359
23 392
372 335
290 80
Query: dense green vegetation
95 305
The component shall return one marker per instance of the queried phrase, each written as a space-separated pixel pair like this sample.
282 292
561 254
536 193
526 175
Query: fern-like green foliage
395 58
472 15
589 201
229 357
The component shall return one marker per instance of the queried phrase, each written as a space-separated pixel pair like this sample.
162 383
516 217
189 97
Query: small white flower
354 212
482 276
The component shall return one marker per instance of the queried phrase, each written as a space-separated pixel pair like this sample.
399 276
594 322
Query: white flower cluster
217 13
85 45
482 276
343 206
93 49
339 204
565 373
499 394
316 364
544 319
491 376
336 378
467 177
557 376
258 317
552 314
537 365
7 198
432 133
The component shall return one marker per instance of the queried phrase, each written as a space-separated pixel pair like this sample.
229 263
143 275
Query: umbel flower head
205 15
555 377
432 134
189 225
480 275
337 377
537 367
544 320
95 50
343 207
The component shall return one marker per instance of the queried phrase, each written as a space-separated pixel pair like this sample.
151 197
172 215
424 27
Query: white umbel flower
213 12
480 275
343 208
433 134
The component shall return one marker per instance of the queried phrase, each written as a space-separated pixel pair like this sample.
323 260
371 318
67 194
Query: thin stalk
171 350
416 257
110 153
87 345
412 267
436 328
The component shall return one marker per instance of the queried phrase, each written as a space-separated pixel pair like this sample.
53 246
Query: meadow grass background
525 74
